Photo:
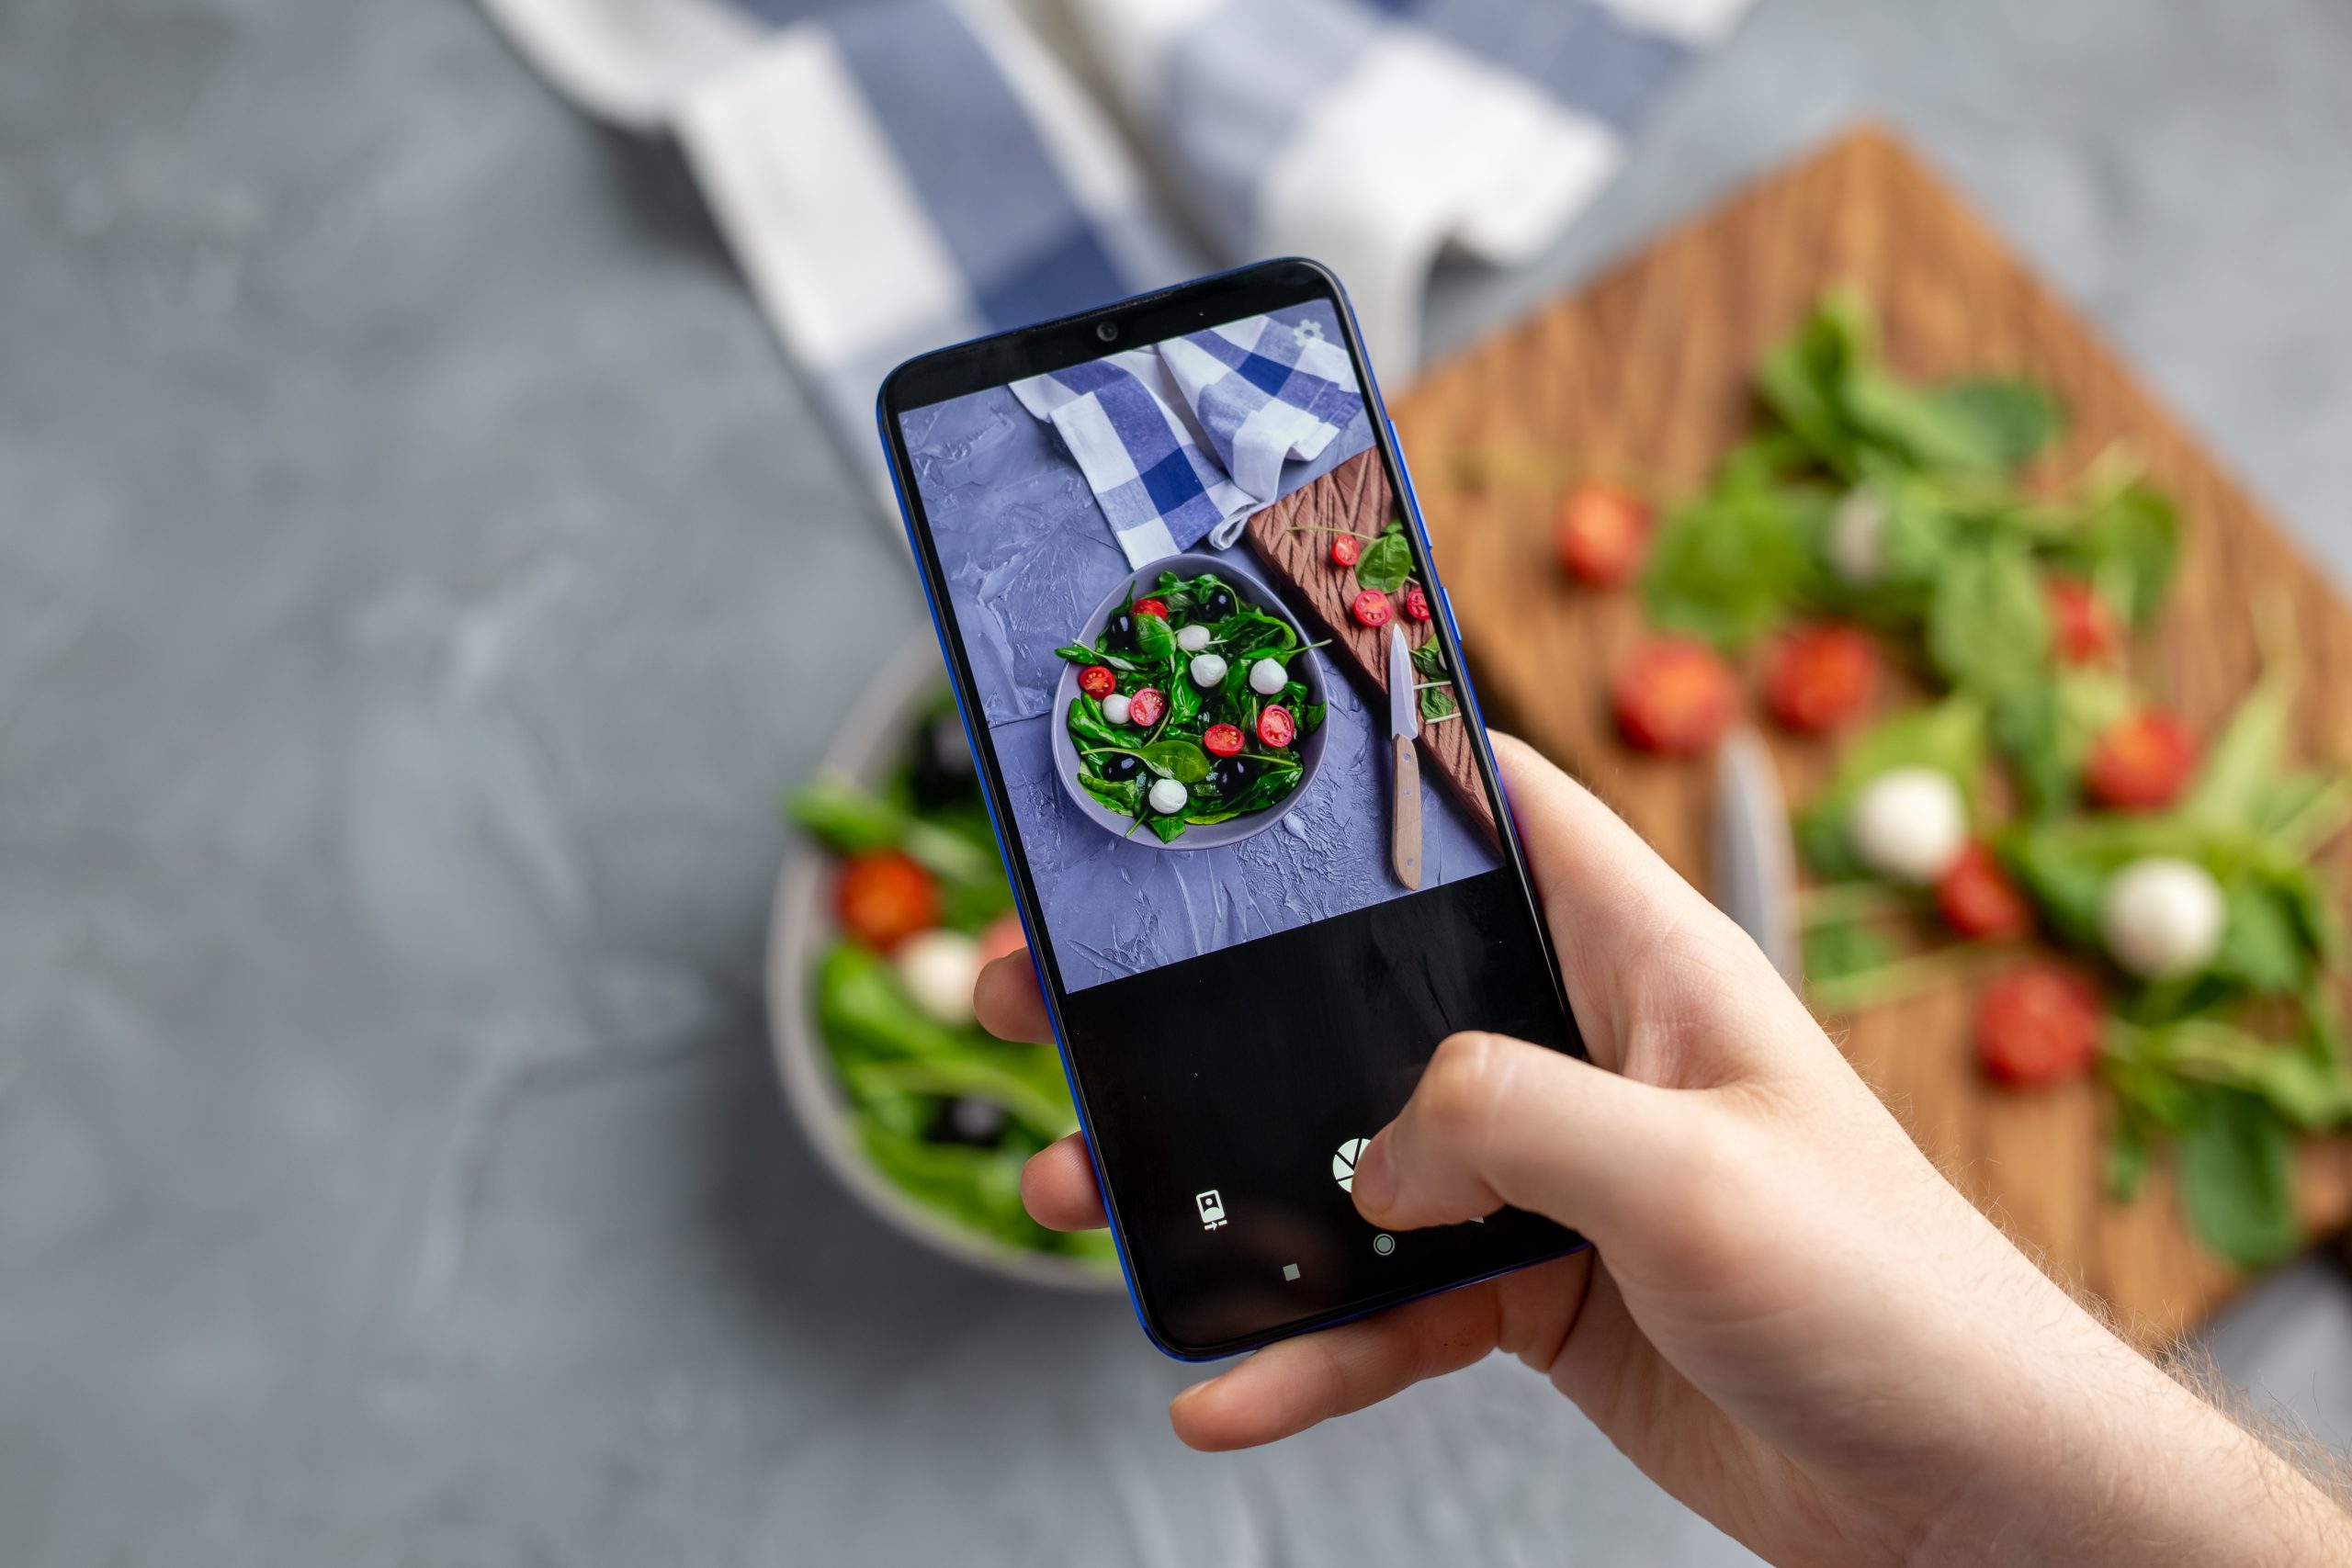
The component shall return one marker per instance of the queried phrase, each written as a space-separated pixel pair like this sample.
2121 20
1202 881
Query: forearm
2122 1465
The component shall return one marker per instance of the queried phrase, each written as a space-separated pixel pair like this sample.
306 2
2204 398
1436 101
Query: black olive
979 1124
1218 603
1230 775
1121 632
1119 766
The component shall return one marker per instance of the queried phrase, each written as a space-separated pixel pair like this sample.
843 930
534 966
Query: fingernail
1375 1182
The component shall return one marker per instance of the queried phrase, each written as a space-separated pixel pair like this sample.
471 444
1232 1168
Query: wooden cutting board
1292 538
1644 377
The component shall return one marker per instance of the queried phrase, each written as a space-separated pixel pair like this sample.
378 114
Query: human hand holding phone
1789 1320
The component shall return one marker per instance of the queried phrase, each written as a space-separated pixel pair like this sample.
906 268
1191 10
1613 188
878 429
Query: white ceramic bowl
801 926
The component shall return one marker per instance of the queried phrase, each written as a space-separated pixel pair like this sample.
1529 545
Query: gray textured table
416 571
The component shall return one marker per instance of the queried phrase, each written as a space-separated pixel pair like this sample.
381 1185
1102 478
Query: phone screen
1216 697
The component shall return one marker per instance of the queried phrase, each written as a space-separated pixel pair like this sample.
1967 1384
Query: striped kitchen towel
1183 440
900 174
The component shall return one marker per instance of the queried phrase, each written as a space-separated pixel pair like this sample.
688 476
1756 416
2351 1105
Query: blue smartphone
1215 696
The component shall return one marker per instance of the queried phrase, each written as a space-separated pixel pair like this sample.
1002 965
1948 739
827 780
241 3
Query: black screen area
1243 1073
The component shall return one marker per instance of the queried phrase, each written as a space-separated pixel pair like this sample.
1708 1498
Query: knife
1754 857
1405 726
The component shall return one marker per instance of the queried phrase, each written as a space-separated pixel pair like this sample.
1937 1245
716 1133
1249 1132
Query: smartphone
1214 693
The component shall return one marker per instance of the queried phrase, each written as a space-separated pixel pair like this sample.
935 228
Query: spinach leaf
1169 829
1177 758
2262 945
1437 703
2245 759
1844 949
1386 562
2127 538
2046 729
1079 653
1728 567
1125 797
1428 661
2012 419
2237 1179
1987 628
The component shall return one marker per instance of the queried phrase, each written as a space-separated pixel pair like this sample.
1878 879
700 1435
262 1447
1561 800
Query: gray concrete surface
416 571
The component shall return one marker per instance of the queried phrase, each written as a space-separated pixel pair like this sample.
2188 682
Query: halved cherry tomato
1372 608
2082 628
1276 728
1674 695
1820 678
1223 740
884 897
1417 603
1346 550
1145 707
2037 1024
1001 936
1151 607
1977 897
1097 680
1601 531
2142 763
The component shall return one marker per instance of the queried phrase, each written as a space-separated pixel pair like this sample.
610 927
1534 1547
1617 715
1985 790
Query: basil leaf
2237 1179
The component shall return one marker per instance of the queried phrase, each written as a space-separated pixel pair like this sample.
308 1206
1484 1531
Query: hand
1789 1319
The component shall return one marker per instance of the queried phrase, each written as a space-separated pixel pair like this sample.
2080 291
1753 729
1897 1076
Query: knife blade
1404 729
1753 856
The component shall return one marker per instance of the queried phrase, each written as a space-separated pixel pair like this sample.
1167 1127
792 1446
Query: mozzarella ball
939 970
1168 796
1191 639
1908 823
1209 669
1268 676
1115 708
2162 918
1857 545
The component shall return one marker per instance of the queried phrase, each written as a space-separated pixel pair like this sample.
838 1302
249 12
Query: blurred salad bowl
879 926
1190 709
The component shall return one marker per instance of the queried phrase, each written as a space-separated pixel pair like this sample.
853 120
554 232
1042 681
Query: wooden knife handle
1405 845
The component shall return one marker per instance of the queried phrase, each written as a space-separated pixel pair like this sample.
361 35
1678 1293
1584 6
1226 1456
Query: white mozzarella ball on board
1209 669
1168 796
1191 639
2161 917
1268 676
1115 708
1908 823
939 970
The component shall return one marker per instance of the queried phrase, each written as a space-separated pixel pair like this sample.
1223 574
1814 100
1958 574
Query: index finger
1007 1001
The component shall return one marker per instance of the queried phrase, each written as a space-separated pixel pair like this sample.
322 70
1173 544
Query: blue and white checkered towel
900 174
1182 440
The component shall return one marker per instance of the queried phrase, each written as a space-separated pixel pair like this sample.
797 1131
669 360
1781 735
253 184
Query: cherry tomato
2142 763
2037 1024
1146 706
1601 533
1151 607
2082 628
1370 608
1096 681
1002 935
1821 678
1223 740
1674 695
1346 550
1417 603
1977 897
883 897
1276 728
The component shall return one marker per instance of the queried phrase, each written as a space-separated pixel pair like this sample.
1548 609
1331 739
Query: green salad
947 1112
1188 712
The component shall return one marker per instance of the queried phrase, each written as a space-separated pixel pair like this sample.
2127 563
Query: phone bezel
1002 359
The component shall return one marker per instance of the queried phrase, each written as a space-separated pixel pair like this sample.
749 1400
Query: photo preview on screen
1198 631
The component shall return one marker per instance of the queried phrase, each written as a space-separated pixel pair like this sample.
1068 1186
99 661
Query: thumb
1496 1121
